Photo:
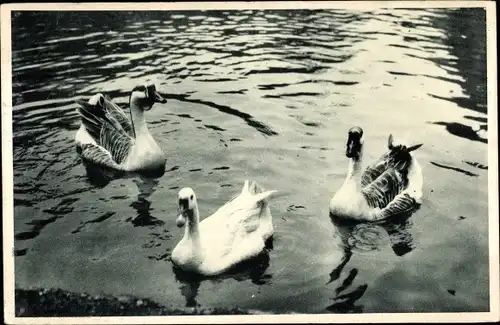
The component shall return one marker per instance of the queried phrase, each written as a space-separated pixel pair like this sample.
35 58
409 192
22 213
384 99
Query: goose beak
158 98
181 221
349 152
352 150
183 208
354 142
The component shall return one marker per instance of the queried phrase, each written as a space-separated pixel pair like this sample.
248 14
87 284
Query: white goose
390 186
236 232
109 138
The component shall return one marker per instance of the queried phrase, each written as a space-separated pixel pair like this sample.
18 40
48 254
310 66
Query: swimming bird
108 137
390 186
236 232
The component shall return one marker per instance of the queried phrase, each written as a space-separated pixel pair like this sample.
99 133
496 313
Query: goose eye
191 196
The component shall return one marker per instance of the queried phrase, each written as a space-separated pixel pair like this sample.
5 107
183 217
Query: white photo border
7 165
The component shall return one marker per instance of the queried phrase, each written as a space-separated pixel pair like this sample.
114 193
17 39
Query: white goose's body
110 138
390 186
234 233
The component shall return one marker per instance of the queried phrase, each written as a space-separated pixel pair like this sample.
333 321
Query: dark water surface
267 95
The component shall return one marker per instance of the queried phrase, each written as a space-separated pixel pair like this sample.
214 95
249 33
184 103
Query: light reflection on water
267 95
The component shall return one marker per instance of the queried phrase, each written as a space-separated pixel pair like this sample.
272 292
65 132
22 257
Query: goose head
354 143
187 206
144 97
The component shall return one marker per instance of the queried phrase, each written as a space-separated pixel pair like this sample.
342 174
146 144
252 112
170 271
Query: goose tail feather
245 188
254 188
264 197
93 117
257 193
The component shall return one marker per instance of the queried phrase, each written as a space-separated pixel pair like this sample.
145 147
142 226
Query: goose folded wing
252 221
116 113
402 203
98 155
257 206
374 171
384 188
116 141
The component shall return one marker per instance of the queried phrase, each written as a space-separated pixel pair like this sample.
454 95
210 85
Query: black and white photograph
288 161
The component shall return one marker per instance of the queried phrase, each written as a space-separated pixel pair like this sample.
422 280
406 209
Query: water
266 95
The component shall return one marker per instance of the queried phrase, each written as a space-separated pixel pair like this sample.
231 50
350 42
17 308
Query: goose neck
138 120
193 222
354 171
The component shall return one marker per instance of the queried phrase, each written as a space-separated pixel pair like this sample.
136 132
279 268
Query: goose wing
249 206
117 142
248 202
387 178
402 204
232 223
117 113
105 130
385 188
241 212
98 156
372 172
257 207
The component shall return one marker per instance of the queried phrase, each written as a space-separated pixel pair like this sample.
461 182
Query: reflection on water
470 60
96 220
146 187
56 212
367 237
266 95
253 270
98 176
345 302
